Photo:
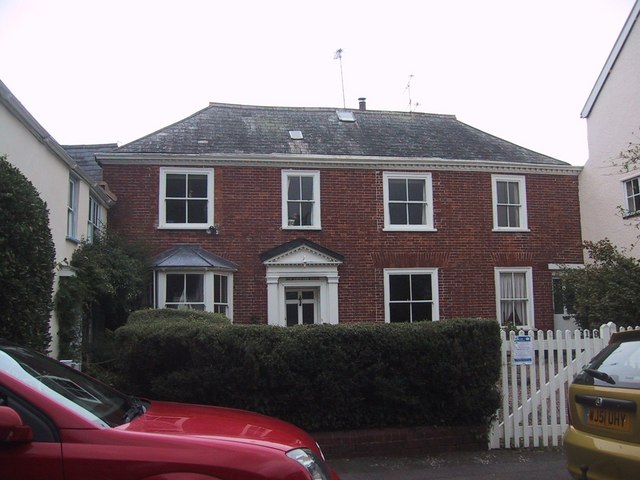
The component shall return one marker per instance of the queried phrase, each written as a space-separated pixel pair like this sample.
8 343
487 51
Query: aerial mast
338 56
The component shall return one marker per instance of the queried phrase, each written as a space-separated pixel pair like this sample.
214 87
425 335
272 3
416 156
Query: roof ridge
321 109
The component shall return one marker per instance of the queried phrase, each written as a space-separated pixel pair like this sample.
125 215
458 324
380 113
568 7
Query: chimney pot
363 103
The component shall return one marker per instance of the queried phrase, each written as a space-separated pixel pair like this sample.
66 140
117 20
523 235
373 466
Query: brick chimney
362 101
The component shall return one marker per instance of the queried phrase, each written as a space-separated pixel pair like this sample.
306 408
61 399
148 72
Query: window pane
514 193
307 213
195 287
399 287
292 314
502 192
421 287
416 190
399 312
398 213
291 295
175 211
197 186
307 313
294 188
176 185
197 211
307 188
558 300
220 289
175 287
397 189
503 218
293 209
514 217
421 312
416 214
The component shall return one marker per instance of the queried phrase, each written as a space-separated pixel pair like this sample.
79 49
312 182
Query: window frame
162 213
316 207
435 293
628 212
428 226
522 205
94 222
529 310
73 195
209 297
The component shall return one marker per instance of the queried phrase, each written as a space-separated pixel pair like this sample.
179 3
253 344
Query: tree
27 261
108 284
606 289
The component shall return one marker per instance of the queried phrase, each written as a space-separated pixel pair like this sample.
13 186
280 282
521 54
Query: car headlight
310 461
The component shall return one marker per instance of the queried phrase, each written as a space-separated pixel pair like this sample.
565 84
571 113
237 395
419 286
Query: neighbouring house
288 216
77 201
609 193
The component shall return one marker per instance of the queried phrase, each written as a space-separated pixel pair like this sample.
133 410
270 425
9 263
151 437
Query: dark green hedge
27 261
323 377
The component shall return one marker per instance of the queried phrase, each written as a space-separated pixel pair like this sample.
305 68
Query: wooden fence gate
534 389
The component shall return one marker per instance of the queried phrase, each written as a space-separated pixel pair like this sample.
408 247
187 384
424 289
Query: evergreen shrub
320 377
27 261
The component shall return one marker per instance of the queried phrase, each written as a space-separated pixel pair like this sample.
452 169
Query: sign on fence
522 350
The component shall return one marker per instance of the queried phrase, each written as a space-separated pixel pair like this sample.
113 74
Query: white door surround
302 265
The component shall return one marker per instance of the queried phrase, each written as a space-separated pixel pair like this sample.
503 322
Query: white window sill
511 230
301 227
184 226
408 229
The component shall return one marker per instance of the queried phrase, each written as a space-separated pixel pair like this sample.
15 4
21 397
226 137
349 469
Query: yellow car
603 440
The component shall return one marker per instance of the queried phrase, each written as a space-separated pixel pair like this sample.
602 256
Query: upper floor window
95 221
408 203
509 203
411 295
186 198
72 208
632 196
514 297
300 199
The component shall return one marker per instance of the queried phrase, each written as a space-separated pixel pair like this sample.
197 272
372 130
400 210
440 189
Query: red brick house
315 215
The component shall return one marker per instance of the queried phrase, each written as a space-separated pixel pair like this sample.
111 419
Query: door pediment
301 253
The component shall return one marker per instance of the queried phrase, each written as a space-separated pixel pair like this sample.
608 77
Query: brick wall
464 248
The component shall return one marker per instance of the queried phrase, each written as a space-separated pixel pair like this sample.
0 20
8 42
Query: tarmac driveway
546 464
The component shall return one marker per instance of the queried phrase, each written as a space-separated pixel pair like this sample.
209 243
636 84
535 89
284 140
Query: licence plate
611 419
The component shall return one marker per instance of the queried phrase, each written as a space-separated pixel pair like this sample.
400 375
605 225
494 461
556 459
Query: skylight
295 134
346 116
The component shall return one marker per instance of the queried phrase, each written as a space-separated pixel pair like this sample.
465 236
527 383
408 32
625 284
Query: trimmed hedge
320 377
27 261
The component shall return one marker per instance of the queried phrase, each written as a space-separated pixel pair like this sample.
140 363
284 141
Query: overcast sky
94 71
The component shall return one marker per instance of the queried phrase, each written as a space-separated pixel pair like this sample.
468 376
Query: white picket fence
534 396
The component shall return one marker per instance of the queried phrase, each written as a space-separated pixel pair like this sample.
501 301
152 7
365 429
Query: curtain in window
513 299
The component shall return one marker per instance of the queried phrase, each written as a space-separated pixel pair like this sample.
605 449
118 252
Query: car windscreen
64 385
617 365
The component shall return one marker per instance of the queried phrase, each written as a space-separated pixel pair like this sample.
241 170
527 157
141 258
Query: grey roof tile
239 129
85 156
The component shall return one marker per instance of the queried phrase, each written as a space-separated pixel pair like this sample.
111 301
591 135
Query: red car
59 424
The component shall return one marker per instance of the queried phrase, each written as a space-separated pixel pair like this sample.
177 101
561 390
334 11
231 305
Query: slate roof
191 256
85 156
240 129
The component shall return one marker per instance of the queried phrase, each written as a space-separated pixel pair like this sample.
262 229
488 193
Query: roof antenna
408 89
338 56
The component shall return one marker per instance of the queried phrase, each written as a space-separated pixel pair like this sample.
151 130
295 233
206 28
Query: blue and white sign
523 350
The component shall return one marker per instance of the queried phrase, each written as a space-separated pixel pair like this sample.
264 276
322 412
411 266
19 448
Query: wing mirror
12 430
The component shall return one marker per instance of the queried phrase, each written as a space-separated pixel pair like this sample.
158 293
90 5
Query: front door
301 306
